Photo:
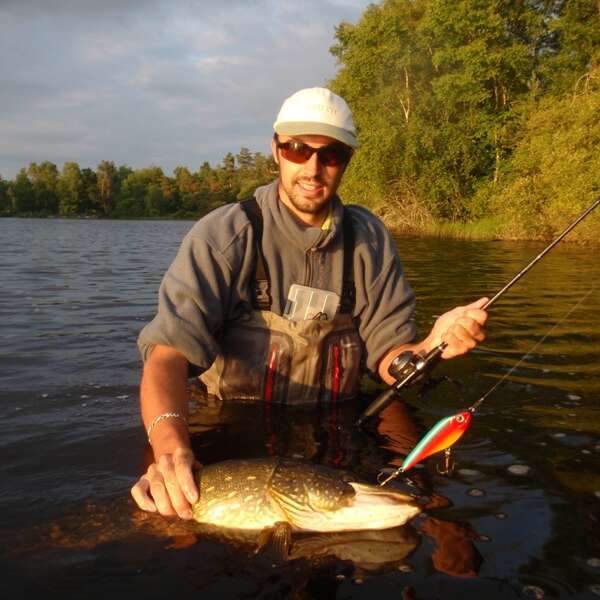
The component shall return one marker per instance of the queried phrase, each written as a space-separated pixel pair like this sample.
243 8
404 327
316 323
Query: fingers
167 491
140 494
478 303
184 465
466 329
168 487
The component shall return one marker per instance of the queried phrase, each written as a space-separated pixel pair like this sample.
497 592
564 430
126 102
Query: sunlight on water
516 515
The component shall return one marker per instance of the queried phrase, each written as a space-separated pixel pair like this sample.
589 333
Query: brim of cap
312 128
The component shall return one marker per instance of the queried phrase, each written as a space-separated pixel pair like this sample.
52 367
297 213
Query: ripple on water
520 470
593 562
533 591
468 473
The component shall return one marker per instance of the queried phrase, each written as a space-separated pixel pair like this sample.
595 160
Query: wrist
168 434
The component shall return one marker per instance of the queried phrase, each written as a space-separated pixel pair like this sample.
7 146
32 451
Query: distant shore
484 230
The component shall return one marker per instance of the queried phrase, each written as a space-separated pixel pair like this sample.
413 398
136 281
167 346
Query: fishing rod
447 431
408 368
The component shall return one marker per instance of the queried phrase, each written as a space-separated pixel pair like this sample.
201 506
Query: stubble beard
306 205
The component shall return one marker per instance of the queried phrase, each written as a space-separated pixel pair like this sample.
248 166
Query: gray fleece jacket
209 281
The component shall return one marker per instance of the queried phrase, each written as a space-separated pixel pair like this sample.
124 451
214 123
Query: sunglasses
332 155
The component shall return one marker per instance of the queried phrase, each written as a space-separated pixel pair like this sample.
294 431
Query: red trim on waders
336 375
271 371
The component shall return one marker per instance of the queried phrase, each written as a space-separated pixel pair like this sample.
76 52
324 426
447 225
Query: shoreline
469 232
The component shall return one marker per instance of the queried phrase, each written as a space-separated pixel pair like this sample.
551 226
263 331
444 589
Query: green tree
244 160
90 202
146 192
193 196
130 201
575 27
436 88
44 180
259 170
5 203
70 190
108 184
555 169
22 194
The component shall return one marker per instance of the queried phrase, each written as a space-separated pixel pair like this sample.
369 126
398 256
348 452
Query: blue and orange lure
444 434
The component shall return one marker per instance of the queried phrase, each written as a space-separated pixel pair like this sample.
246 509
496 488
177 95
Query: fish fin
276 540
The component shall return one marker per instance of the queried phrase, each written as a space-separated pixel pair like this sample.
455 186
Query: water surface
518 516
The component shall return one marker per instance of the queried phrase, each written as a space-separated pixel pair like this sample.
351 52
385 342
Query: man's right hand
168 486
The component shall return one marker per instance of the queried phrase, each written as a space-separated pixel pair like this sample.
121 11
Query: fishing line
573 308
408 367
446 432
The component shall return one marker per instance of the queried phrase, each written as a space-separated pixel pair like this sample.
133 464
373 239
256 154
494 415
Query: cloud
152 82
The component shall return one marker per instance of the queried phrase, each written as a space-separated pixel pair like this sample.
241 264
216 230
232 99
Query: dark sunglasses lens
296 152
333 155
330 156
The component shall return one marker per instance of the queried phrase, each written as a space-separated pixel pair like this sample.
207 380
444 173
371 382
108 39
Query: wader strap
348 289
261 297
262 288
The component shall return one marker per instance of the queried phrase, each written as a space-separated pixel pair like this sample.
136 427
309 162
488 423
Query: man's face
307 188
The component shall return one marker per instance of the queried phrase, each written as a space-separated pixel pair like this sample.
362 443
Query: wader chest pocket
340 370
256 365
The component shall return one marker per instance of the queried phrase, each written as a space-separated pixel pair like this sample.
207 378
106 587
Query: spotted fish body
258 493
442 435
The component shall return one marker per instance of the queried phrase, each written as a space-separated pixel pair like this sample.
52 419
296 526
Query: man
224 304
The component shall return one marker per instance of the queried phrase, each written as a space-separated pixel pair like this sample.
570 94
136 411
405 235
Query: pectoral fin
276 540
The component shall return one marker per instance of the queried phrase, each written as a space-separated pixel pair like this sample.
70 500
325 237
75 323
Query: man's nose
312 166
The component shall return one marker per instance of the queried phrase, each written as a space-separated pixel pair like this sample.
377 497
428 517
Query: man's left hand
461 328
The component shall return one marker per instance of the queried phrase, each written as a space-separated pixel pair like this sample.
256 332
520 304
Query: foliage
475 117
555 169
5 204
120 192
443 94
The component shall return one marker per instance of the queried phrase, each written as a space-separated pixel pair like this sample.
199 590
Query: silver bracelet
166 415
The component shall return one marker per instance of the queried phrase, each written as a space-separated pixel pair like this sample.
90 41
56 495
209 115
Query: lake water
518 517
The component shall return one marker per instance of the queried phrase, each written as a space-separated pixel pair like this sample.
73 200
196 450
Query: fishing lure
444 434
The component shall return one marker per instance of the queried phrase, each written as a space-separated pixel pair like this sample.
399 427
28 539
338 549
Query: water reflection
525 490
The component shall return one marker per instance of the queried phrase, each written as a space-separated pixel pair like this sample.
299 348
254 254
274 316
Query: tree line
475 113
475 116
119 191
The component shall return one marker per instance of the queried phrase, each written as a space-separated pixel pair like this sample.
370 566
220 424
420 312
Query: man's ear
274 151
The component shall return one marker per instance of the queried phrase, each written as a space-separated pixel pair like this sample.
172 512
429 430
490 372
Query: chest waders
267 357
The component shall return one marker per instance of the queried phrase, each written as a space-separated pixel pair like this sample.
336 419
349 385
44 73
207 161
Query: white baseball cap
317 111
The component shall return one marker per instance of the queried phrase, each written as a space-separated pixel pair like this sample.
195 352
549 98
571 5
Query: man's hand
461 328
168 486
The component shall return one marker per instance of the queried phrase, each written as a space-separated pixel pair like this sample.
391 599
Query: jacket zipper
308 273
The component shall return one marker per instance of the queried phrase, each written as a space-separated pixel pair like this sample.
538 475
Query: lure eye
460 419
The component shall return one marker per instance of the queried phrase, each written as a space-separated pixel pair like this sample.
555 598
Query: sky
152 82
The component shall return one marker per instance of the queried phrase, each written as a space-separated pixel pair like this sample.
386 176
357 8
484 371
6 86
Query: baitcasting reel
407 369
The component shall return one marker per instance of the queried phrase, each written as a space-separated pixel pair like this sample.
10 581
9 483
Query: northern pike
271 494
250 503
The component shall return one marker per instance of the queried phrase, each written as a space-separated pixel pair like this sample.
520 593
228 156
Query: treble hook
446 465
